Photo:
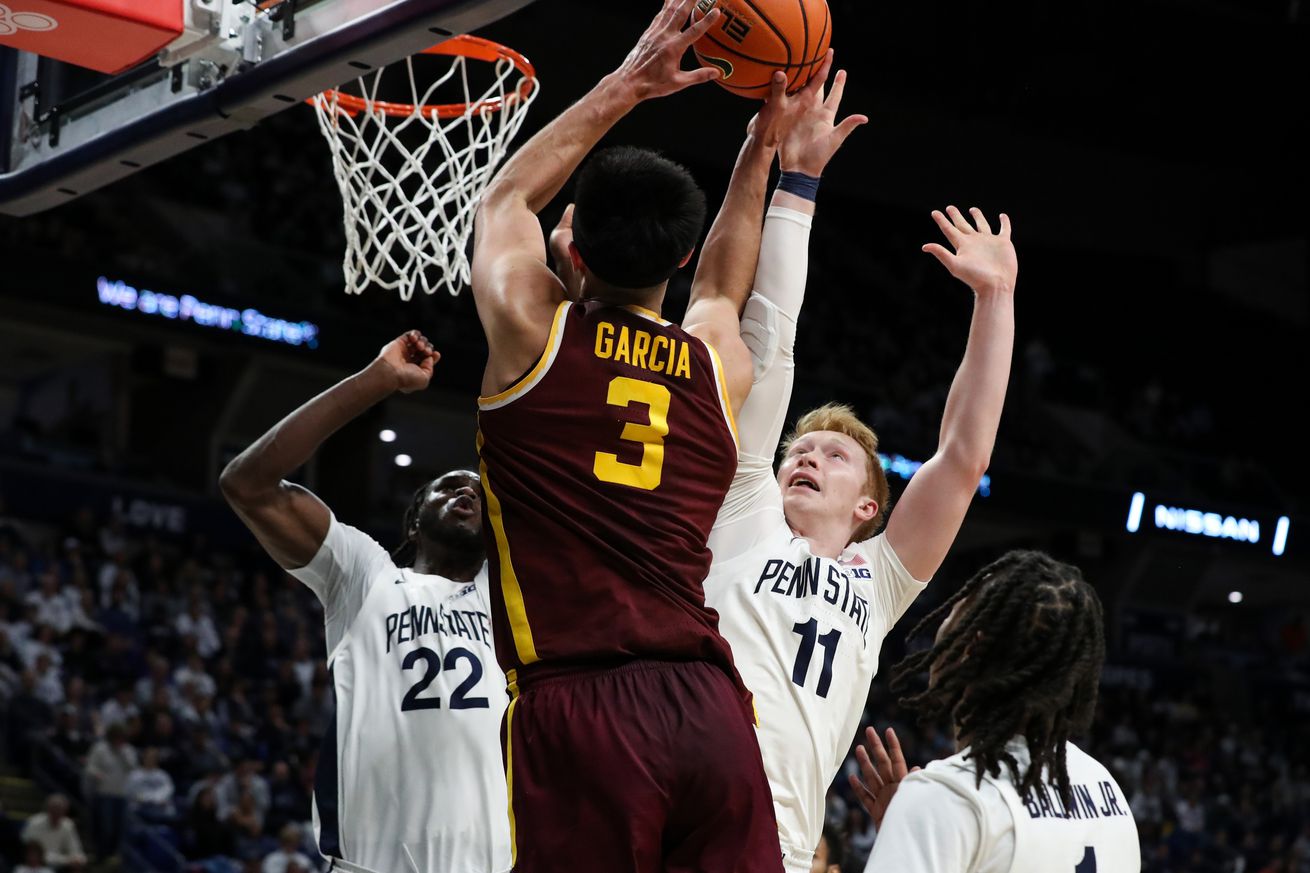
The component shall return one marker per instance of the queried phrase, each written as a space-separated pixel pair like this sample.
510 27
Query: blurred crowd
172 696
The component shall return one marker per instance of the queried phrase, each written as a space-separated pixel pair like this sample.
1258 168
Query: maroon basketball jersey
604 469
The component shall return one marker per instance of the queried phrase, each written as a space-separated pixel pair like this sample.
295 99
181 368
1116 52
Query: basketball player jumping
804 590
607 444
1015 665
409 777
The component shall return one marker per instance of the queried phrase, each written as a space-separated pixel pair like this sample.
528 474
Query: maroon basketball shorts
646 768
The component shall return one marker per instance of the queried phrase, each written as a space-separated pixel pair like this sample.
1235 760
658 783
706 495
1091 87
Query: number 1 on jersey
809 632
1088 864
646 475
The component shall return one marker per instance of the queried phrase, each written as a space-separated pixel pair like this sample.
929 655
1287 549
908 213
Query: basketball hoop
411 173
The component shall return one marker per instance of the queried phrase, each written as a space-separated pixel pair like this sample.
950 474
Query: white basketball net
411 184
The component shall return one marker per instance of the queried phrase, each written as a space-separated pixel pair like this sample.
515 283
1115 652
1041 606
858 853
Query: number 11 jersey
604 468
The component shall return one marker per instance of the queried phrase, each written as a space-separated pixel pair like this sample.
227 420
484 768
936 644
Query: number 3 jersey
604 468
409 778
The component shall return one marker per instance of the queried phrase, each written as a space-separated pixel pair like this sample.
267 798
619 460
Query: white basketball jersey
409 778
805 633
942 821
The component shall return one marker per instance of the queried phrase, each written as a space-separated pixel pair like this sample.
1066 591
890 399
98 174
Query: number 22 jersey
409 776
604 468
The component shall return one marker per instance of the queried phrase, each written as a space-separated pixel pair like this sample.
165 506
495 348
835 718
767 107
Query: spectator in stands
192 674
28 713
56 834
830 853
119 709
150 789
51 607
244 780
79 703
49 684
247 826
287 798
107 768
197 625
67 736
860 834
148 686
288 853
208 835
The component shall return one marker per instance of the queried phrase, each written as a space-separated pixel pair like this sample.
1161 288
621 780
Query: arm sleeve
894 589
340 574
768 327
929 828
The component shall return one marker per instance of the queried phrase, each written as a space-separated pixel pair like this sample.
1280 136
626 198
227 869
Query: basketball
755 37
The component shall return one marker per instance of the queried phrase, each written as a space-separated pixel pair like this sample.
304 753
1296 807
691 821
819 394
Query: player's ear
575 257
686 258
866 509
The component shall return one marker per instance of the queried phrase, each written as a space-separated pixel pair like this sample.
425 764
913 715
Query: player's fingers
957 218
980 220
700 28
778 87
814 87
881 758
940 254
847 127
862 793
872 777
949 230
566 220
896 754
696 77
833 101
1005 225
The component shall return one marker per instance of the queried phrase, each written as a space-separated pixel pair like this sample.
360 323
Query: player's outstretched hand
654 66
412 358
803 126
881 776
983 260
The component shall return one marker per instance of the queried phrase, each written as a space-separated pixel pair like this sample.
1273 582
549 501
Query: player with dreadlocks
410 775
1015 667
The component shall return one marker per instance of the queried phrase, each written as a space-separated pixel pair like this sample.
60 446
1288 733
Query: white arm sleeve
768 327
929 828
341 573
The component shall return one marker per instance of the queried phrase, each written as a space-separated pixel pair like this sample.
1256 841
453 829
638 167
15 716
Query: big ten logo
11 22
861 573
734 25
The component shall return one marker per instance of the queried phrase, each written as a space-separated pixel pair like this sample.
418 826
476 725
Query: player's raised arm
929 514
289 521
515 291
809 137
728 259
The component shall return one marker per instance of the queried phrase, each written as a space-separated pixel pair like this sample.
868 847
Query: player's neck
442 559
651 298
826 541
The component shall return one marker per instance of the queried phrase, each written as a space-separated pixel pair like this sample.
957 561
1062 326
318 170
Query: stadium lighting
1234 597
1135 512
403 460
387 436
1280 535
